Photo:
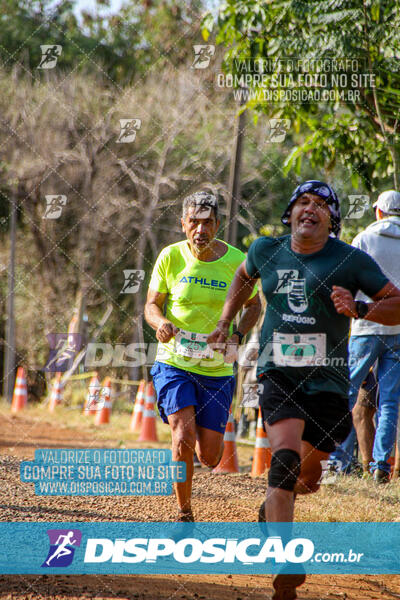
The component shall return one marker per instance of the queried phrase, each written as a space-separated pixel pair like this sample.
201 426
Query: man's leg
214 397
311 469
210 446
363 352
285 440
363 419
183 431
285 584
389 396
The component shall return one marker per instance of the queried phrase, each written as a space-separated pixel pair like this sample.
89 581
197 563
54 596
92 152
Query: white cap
389 202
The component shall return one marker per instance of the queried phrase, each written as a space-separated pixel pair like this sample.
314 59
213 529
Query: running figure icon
62 550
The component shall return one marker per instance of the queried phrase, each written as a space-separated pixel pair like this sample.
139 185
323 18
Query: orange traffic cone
104 407
56 397
148 431
229 461
137 415
262 450
20 395
93 397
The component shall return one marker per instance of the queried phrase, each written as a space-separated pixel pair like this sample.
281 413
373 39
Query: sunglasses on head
323 191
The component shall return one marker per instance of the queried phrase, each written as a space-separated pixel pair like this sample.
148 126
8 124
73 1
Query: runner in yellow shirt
194 384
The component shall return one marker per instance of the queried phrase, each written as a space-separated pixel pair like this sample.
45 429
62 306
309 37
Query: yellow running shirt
196 294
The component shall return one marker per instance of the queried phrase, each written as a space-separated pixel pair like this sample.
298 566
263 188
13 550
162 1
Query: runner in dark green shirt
303 336
309 279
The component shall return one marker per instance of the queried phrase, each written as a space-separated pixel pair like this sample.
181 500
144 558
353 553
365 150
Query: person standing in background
371 341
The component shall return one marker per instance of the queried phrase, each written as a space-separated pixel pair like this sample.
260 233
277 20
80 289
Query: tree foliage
142 37
60 130
123 200
363 134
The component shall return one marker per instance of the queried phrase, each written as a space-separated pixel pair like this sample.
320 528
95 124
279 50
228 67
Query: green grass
351 499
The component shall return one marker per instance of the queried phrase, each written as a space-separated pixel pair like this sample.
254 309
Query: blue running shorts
210 396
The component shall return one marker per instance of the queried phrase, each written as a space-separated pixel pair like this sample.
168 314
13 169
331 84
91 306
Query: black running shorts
327 417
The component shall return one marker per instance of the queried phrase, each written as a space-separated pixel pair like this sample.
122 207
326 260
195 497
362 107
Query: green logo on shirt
297 298
295 288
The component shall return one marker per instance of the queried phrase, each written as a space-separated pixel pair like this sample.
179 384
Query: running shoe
381 476
285 585
184 516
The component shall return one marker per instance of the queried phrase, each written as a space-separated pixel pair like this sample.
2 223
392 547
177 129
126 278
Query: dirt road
216 498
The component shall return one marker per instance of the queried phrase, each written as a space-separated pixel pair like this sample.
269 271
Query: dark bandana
323 190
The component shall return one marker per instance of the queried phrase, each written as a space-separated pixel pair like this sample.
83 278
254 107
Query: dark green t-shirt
302 335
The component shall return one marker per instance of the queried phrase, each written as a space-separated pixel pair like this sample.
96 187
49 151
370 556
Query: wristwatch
361 309
239 334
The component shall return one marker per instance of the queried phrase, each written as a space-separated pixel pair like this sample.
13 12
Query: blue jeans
364 350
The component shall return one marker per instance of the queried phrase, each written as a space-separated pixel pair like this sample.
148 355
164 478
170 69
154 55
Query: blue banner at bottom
193 548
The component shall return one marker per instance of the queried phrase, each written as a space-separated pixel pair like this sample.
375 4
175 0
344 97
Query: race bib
193 345
299 349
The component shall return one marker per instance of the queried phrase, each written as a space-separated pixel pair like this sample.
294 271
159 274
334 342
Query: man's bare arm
153 313
384 310
250 314
238 295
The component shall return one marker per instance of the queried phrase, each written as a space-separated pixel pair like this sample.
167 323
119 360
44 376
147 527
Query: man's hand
344 301
166 331
218 337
